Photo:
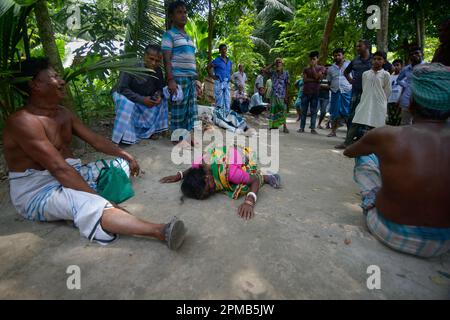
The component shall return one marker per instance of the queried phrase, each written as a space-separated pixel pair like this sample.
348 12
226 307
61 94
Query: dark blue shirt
221 69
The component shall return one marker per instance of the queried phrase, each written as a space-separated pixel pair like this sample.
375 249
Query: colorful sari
277 115
221 163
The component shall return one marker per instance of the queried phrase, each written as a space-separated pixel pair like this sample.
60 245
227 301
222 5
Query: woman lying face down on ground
221 169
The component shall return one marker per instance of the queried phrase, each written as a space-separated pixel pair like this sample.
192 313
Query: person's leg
118 221
218 94
323 110
406 117
313 107
304 111
284 115
334 126
257 110
299 113
334 112
123 130
226 97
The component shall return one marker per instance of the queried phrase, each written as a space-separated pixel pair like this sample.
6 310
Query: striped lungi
415 240
135 121
184 114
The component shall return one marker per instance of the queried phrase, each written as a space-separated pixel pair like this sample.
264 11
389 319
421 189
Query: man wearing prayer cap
404 172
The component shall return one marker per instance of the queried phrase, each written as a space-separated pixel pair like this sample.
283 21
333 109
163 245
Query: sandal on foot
174 233
275 181
331 135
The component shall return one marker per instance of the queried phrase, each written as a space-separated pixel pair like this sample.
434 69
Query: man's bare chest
58 130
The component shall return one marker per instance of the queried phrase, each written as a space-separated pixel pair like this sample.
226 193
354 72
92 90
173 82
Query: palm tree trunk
382 33
420 29
210 30
46 34
323 53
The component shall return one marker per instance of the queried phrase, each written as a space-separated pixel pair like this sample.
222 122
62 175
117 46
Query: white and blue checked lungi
135 121
38 196
222 95
420 241
228 120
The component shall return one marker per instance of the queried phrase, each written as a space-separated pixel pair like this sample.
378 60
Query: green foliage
241 47
13 30
145 24
197 29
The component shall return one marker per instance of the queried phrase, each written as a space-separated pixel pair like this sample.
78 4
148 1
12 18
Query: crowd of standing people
403 169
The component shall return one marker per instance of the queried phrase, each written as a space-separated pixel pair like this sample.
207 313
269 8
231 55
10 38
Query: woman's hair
194 184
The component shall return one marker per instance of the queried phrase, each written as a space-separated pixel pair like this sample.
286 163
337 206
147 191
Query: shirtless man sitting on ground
404 172
47 184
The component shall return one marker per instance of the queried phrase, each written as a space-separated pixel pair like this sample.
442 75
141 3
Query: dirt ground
307 241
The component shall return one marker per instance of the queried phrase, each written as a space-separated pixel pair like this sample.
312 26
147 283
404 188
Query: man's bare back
56 125
415 172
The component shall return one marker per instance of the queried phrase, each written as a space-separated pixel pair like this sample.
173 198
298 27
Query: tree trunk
323 53
210 30
382 33
420 29
46 34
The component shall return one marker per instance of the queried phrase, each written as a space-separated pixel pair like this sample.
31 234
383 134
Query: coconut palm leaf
145 24
271 6
126 63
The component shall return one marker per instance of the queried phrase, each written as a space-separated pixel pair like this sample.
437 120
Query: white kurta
372 109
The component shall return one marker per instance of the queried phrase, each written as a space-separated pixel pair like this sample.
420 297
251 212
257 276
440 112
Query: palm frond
260 42
145 24
124 63
275 6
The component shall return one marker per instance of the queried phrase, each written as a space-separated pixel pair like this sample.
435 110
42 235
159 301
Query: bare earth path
308 241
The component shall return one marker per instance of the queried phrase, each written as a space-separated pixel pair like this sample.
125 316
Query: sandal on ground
332 134
275 181
174 233
285 130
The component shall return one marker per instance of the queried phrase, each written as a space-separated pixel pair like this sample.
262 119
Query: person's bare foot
154 136
331 134
320 127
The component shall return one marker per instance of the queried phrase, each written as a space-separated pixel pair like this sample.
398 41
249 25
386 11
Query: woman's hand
171 179
246 211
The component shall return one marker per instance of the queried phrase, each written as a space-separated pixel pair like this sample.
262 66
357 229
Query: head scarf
431 86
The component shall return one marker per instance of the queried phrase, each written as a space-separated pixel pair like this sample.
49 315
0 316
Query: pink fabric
235 173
